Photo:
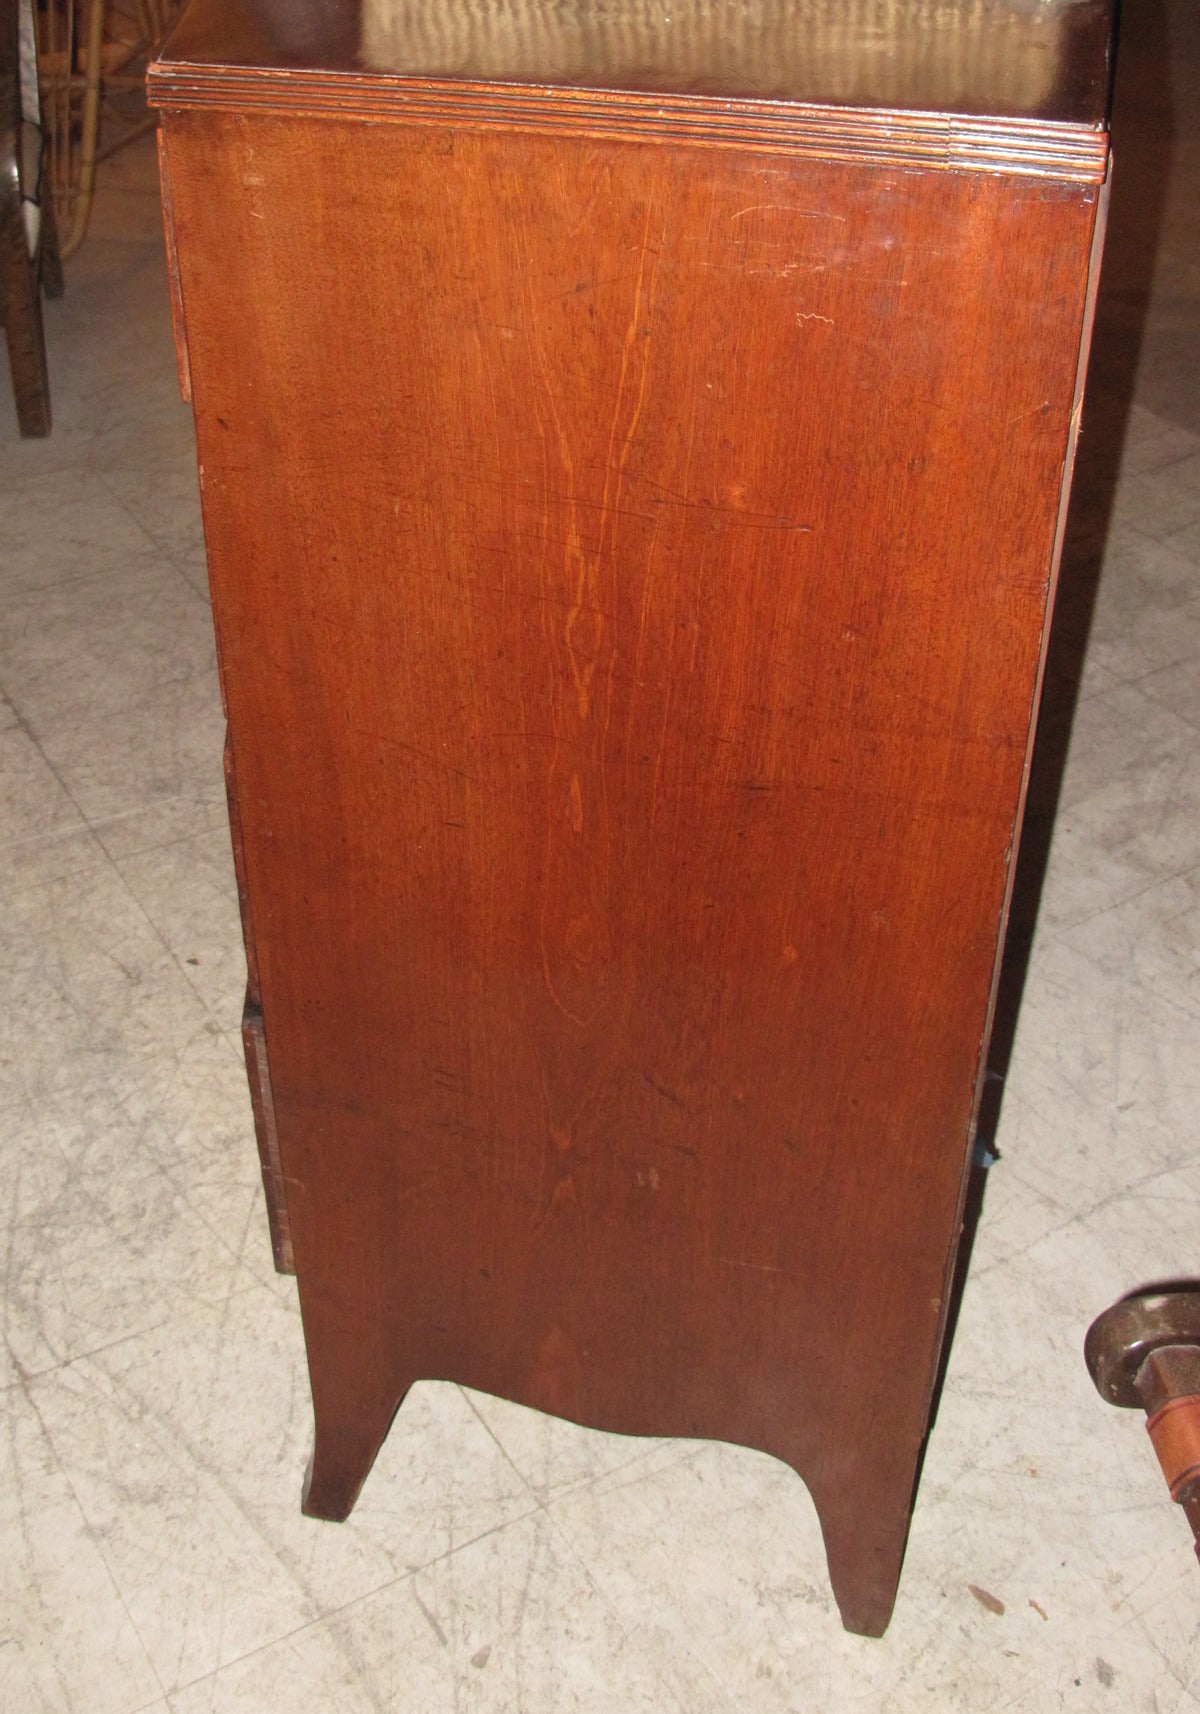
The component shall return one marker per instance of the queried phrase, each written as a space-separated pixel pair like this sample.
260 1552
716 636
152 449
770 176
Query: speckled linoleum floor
152 1383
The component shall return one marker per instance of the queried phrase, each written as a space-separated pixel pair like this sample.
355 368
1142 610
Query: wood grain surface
1008 59
969 85
630 566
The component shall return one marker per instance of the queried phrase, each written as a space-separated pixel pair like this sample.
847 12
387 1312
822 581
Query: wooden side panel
630 566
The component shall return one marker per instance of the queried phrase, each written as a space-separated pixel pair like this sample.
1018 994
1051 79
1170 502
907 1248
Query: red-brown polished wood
1012 59
630 560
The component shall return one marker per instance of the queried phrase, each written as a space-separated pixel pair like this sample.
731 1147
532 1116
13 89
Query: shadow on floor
1144 142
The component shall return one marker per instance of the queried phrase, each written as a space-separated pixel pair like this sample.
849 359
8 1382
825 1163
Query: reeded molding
1036 148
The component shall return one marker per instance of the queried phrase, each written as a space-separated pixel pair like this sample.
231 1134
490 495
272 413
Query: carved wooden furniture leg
1144 1353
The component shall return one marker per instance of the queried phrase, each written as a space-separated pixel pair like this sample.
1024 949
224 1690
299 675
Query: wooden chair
93 56
1144 1353
29 257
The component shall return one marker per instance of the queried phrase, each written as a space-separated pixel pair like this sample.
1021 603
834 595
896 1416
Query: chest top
1036 71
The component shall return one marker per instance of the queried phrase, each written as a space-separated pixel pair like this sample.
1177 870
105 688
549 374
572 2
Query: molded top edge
1041 60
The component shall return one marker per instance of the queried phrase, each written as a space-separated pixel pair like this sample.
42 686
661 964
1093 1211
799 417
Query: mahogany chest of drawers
634 442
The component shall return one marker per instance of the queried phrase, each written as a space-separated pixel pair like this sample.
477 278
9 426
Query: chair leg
51 258
27 352
1144 1353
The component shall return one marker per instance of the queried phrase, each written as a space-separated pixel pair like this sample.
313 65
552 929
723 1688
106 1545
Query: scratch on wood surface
661 1089
1034 410
786 208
